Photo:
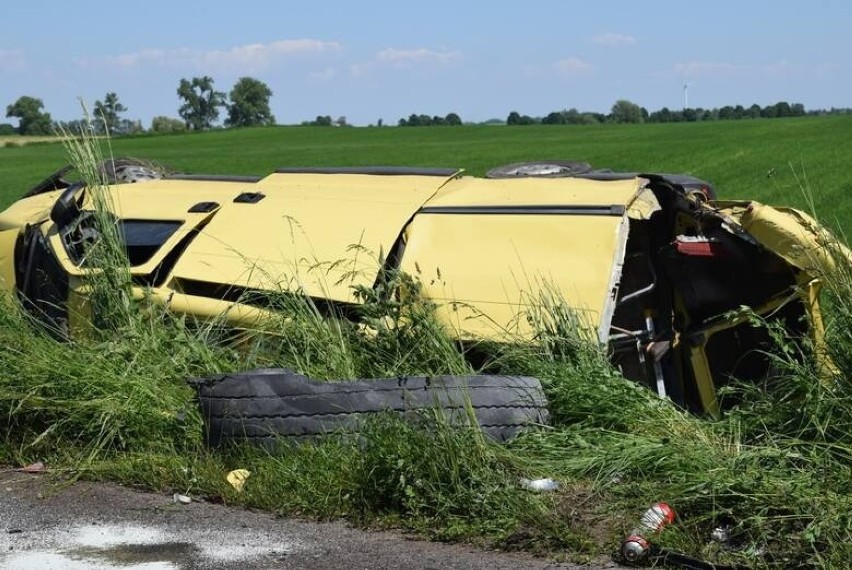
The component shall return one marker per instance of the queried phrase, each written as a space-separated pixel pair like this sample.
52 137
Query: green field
766 160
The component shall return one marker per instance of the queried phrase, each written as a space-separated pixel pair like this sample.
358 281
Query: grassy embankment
777 469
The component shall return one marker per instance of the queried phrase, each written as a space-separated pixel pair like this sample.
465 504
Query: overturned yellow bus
652 262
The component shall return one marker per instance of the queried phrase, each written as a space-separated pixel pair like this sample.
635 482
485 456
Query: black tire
540 169
125 170
262 406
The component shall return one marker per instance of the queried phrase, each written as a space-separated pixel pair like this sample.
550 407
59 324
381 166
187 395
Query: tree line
624 111
247 105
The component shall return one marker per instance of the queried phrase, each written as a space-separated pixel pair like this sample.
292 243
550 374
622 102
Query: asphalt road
44 526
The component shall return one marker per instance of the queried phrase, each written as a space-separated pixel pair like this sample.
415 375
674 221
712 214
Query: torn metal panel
791 234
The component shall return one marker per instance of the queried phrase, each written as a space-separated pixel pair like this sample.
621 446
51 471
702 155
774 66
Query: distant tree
415 120
201 102
249 106
554 118
690 115
753 112
624 111
107 112
574 117
664 115
783 109
129 127
31 119
380 123
726 113
516 118
797 110
341 121
321 121
76 126
167 125
7 129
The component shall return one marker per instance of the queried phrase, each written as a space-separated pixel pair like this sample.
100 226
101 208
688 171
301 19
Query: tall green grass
775 470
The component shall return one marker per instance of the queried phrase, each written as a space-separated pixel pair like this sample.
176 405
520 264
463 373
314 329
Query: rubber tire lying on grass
540 169
264 406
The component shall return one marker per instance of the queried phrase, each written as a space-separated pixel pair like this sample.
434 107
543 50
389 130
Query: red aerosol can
635 546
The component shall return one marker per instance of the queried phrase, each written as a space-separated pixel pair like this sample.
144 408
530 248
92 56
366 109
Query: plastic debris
37 467
237 478
182 499
546 484
721 534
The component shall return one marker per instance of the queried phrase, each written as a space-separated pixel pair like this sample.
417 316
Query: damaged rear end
704 283
670 281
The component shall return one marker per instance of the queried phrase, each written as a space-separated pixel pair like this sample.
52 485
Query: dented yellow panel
7 259
789 233
487 270
28 211
321 233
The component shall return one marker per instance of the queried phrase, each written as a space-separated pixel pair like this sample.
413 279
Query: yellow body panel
170 199
320 233
7 259
790 233
487 270
470 191
27 211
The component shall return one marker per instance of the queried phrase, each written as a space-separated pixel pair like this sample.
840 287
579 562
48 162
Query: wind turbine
685 95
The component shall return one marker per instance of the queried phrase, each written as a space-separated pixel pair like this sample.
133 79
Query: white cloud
406 59
326 74
826 68
779 68
705 69
11 60
611 39
251 57
573 66
258 56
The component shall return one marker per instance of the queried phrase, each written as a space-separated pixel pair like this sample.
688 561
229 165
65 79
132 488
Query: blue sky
372 60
